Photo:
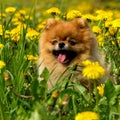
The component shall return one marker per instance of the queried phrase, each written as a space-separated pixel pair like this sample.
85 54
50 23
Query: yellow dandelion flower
118 38
28 17
112 30
73 14
22 12
15 19
86 62
18 15
15 30
116 23
10 9
1 46
53 11
17 23
32 34
89 17
1 31
117 13
103 15
15 34
3 15
2 64
108 23
101 89
32 58
96 29
41 25
99 11
7 34
93 71
88 115
100 40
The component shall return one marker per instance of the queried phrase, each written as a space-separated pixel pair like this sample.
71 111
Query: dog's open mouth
64 56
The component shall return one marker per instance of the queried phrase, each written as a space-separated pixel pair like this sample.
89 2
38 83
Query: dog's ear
81 23
50 22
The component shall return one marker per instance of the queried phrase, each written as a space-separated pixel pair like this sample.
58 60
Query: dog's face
66 40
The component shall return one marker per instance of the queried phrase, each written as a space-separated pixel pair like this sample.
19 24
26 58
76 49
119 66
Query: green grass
22 97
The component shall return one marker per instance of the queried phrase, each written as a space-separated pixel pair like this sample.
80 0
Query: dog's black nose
61 45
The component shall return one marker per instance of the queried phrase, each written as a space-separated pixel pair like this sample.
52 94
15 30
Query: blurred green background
64 4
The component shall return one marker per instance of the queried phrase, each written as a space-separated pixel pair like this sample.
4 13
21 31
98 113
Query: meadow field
22 96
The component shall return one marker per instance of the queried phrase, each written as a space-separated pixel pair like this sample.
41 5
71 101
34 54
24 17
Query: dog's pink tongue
61 58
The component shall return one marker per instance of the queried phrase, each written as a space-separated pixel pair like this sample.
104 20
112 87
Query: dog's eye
54 41
72 42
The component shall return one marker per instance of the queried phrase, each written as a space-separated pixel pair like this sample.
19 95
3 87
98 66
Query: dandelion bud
55 94
65 100
6 76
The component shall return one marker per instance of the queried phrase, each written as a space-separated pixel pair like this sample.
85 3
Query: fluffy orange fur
64 43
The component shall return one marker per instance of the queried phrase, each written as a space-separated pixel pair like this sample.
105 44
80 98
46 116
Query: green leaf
103 101
40 112
117 89
109 90
45 74
82 91
68 91
113 100
34 87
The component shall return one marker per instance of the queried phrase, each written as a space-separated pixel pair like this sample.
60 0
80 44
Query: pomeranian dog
65 43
